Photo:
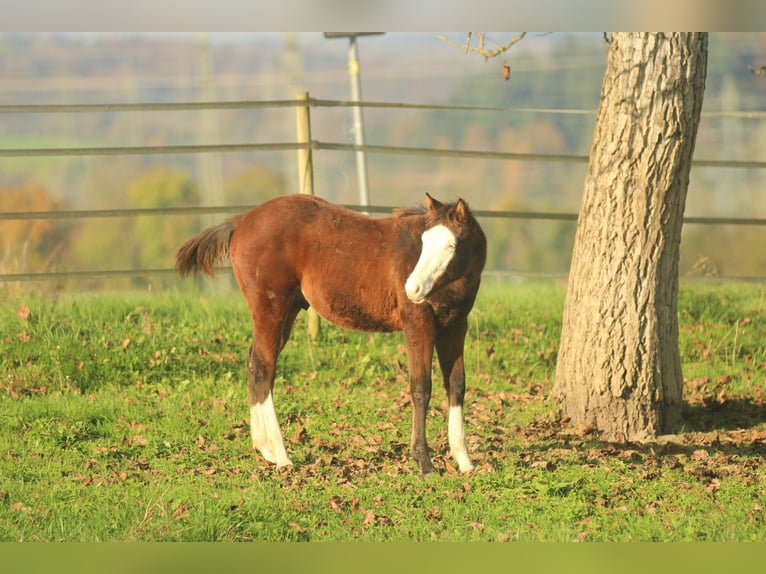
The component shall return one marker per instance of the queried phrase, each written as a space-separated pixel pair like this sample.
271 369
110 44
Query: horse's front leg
449 349
420 349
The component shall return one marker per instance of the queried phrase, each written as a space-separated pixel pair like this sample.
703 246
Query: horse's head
452 243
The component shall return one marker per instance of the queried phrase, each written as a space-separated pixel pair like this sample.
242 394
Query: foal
417 271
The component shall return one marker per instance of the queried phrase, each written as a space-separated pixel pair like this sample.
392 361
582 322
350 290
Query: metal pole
356 96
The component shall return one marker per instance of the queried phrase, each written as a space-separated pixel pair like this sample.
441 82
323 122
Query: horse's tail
205 249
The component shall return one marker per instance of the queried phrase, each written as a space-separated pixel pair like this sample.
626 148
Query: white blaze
438 250
266 434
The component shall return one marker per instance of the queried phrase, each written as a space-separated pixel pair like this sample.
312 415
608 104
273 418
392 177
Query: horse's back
294 223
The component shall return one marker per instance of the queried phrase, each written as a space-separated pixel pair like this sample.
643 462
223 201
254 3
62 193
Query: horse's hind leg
270 333
264 426
449 349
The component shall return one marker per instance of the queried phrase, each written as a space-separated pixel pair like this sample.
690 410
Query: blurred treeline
556 72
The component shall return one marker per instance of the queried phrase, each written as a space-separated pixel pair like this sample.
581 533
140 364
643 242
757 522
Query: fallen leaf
23 312
335 503
20 507
544 464
755 515
297 527
701 455
83 479
180 510
476 526
584 429
136 439
299 434
369 518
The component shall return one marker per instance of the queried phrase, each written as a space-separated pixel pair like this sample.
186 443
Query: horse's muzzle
416 291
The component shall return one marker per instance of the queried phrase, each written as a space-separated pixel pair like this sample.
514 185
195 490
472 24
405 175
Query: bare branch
479 47
761 70
465 47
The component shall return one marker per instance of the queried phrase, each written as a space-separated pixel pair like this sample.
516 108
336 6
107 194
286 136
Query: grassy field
123 417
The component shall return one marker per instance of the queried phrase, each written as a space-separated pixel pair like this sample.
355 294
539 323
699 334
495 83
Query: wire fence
294 146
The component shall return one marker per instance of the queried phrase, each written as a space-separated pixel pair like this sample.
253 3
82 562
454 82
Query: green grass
123 417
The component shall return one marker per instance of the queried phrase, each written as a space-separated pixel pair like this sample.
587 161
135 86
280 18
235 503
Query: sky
390 15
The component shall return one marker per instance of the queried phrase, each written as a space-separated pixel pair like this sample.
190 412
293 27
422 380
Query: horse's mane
421 210
409 211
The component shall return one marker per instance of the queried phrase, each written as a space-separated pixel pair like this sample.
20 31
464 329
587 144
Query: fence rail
496 274
234 105
332 146
223 209
313 102
196 210
293 146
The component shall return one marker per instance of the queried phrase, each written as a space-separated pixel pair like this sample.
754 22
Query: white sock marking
456 433
438 250
266 434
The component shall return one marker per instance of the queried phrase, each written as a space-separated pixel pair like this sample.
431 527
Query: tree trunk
619 367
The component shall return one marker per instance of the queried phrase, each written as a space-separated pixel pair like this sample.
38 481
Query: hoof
426 466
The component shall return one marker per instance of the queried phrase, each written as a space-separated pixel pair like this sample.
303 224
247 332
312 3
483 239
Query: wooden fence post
306 178
305 161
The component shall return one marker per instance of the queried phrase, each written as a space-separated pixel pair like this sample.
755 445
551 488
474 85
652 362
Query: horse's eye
451 246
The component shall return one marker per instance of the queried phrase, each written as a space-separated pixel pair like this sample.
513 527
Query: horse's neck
414 223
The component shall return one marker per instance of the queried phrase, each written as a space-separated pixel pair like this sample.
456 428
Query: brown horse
417 271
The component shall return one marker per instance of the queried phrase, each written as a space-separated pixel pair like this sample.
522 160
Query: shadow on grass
732 427
712 414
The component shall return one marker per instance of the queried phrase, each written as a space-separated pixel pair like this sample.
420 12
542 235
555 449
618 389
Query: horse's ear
461 211
433 204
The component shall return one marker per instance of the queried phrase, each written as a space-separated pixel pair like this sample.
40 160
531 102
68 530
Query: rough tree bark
619 367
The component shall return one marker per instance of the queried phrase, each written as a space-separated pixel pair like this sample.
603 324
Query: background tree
147 241
32 245
253 185
158 188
